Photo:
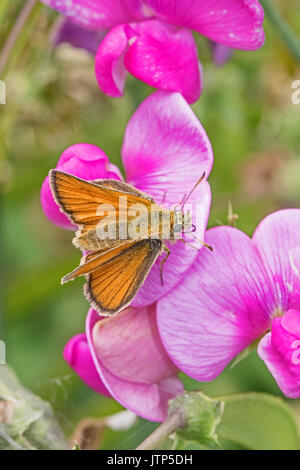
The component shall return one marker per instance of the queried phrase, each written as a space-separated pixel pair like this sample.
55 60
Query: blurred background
52 102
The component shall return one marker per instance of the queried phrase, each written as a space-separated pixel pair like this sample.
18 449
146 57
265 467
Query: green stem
172 423
287 35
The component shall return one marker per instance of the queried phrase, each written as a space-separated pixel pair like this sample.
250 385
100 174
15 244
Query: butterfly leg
162 264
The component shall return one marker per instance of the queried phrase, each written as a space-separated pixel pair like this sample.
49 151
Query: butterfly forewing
80 199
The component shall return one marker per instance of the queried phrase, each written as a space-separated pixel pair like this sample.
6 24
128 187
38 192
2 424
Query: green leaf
202 416
258 421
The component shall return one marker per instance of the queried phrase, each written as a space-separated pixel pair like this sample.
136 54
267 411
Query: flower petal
219 308
77 354
132 362
67 32
234 23
277 238
92 14
280 350
166 58
109 63
165 152
86 161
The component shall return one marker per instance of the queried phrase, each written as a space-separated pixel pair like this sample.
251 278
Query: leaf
258 421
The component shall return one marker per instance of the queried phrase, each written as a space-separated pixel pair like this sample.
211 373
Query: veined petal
92 14
277 238
219 308
77 354
131 361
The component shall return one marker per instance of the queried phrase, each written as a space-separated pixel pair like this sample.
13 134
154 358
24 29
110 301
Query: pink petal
77 354
280 350
92 14
234 23
219 308
85 161
165 152
277 238
132 362
67 32
166 58
109 64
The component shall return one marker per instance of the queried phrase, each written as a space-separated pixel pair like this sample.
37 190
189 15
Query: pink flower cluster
165 151
212 306
153 40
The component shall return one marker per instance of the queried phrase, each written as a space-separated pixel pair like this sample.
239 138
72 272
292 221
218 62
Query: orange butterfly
121 229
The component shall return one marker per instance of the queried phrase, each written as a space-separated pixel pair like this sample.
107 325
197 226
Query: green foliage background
53 102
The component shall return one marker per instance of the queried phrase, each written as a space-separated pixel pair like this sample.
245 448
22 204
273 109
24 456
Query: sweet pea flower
246 291
165 151
123 357
65 31
153 39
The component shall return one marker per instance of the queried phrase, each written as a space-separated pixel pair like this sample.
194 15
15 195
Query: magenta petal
218 309
86 161
132 362
277 238
92 14
109 64
77 354
165 152
68 32
280 350
166 58
234 23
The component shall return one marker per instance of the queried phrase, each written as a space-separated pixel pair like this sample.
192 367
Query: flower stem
15 32
291 40
172 423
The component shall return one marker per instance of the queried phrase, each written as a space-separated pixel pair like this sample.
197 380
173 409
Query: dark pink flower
123 357
152 39
244 291
164 153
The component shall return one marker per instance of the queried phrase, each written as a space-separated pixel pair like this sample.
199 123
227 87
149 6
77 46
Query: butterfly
121 232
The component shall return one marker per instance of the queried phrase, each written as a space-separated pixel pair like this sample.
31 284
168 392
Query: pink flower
246 290
153 39
123 357
165 152
85 161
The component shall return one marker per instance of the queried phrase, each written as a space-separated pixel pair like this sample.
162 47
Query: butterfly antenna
192 190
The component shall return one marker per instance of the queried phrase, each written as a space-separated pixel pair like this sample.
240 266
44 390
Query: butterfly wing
118 274
80 199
